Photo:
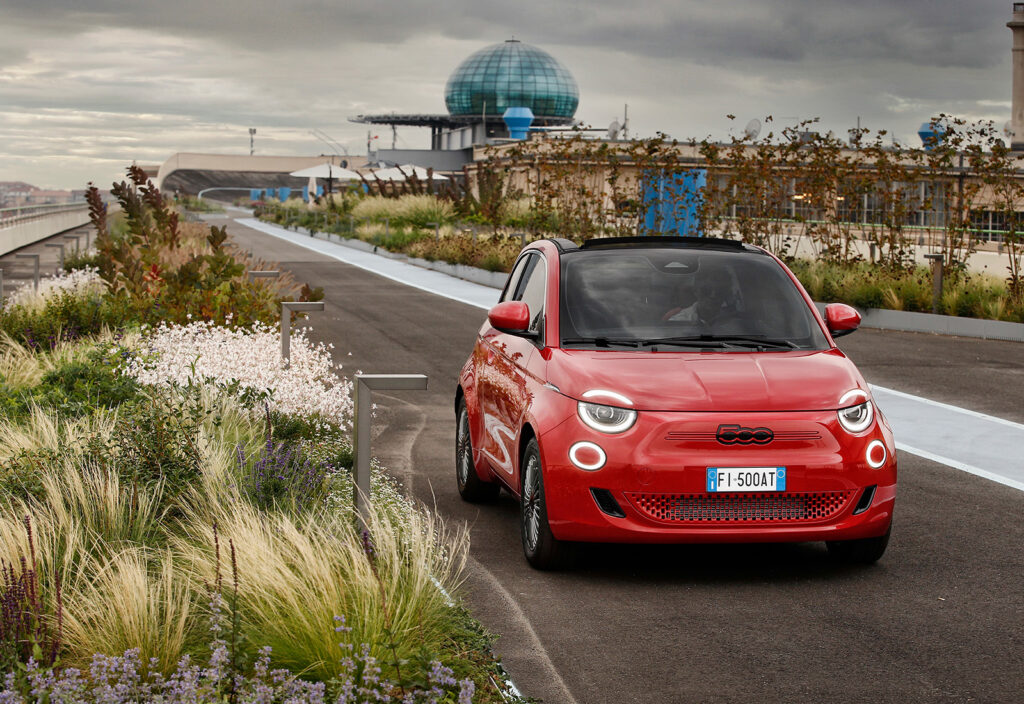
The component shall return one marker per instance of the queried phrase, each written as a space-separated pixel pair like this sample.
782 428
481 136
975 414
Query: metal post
78 242
287 308
522 238
936 260
871 246
59 245
437 231
35 272
365 385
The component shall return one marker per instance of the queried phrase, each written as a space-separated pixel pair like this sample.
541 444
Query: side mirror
512 317
841 319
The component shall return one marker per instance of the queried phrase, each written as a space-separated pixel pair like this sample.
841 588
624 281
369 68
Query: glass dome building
512 74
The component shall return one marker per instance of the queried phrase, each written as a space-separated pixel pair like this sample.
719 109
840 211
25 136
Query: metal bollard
522 238
60 245
365 385
871 246
936 260
287 308
35 272
437 230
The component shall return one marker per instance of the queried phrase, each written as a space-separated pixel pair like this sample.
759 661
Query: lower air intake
741 508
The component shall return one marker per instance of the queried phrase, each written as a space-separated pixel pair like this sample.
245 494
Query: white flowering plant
247 360
84 282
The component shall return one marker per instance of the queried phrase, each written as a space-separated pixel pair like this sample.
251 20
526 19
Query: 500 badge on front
746 479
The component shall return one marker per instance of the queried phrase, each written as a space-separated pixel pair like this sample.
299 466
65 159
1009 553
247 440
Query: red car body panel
515 387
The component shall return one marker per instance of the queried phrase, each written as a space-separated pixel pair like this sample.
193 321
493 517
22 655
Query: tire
866 551
471 487
543 551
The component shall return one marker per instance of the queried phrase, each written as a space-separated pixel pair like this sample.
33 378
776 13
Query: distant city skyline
87 86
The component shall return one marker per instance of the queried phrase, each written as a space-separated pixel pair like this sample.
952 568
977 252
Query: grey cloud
917 32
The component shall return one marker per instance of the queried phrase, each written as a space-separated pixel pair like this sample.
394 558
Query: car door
503 387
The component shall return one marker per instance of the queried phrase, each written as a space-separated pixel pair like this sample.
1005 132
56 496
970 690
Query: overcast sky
87 86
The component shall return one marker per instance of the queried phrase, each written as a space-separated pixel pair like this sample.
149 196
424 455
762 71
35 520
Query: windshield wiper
703 342
724 340
600 341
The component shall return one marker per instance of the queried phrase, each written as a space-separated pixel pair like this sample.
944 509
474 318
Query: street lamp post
252 141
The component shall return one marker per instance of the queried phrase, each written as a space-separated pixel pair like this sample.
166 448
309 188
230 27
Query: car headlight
606 419
856 419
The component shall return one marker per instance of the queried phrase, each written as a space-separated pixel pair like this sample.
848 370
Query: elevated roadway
940 618
28 224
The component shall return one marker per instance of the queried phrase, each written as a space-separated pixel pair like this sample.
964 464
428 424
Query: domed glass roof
512 74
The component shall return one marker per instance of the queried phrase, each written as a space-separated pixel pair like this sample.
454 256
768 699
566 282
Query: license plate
746 479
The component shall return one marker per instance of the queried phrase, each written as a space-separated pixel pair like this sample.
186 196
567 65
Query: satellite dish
613 130
752 129
1008 128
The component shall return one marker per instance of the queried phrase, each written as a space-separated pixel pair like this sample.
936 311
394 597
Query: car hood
710 381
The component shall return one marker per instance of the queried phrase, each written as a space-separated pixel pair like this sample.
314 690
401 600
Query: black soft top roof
666 241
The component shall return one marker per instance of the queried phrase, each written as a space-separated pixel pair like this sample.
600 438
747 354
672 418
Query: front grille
741 508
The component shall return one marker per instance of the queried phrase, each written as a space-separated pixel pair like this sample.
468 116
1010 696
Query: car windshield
682 298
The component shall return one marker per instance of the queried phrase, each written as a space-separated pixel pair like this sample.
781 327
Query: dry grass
297 575
133 600
42 431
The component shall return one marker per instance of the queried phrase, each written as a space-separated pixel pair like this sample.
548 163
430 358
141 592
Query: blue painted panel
255 194
283 193
672 201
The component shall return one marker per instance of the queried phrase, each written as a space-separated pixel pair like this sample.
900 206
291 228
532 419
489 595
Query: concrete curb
877 318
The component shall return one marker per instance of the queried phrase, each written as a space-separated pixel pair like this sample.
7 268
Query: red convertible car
671 389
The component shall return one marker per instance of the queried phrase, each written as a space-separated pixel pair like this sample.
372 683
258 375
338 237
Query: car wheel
542 549
865 551
471 487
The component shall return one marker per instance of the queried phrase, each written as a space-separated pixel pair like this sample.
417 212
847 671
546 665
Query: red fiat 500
672 390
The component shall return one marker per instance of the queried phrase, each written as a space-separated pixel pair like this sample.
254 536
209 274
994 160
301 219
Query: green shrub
66 317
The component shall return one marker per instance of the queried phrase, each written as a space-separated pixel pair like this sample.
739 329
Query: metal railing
23 213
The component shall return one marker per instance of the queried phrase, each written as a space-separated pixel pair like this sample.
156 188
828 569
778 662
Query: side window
513 280
531 291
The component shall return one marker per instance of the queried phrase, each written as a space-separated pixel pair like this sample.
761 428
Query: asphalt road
939 619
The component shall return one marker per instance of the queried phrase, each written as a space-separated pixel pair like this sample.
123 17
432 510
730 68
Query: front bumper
656 472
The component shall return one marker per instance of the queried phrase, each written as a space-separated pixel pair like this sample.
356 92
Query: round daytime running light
856 418
591 449
876 449
606 419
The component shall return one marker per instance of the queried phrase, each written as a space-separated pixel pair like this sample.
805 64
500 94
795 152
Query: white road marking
960 465
948 407
980 444
973 442
434 282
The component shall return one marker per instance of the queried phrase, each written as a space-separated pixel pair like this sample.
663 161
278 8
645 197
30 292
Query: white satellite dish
1008 128
613 130
752 129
